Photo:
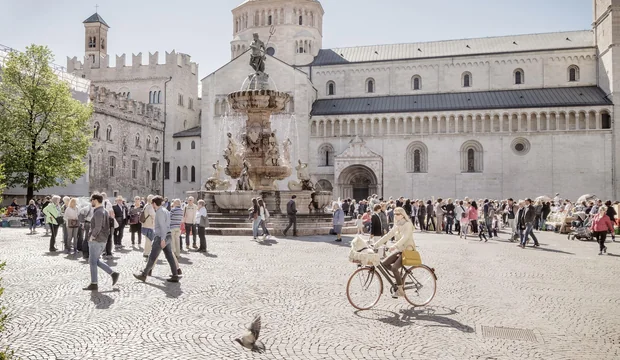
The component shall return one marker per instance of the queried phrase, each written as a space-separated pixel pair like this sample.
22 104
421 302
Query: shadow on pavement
614 255
550 250
437 316
172 290
327 239
267 242
101 300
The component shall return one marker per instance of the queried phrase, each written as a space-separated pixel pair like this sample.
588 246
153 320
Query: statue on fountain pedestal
244 183
214 182
303 177
233 158
257 57
286 156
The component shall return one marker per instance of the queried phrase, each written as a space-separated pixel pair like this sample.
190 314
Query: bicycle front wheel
419 285
364 288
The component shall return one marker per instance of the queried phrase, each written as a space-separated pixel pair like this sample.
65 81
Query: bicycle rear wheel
364 288
419 285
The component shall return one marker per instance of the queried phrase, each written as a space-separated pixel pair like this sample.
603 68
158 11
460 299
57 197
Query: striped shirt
176 217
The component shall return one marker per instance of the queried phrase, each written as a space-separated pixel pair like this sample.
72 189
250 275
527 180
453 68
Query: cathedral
511 116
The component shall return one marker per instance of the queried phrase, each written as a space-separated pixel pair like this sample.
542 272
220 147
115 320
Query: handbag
60 220
411 258
73 223
204 222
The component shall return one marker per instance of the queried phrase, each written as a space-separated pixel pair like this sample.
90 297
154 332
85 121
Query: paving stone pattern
564 293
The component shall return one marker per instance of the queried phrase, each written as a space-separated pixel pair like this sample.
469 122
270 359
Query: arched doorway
357 182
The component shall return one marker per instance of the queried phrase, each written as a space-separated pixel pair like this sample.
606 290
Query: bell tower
298 26
95 40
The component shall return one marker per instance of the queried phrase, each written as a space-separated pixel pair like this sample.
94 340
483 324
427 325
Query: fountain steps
238 224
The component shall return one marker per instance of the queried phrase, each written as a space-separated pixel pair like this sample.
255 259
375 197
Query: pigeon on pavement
250 339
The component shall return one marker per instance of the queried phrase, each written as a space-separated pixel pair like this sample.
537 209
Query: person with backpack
147 219
100 230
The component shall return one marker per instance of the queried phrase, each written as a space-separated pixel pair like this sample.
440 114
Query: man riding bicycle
403 233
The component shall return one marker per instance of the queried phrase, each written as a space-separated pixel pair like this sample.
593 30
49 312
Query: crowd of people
483 218
94 227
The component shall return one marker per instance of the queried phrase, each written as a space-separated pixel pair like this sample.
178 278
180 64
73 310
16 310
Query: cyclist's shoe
394 294
401 291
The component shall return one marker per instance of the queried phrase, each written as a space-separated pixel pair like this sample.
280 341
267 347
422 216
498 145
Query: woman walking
600 225
32 211
338 221
464 219
52 212
264 217
255 217
473 217
73 223
134 221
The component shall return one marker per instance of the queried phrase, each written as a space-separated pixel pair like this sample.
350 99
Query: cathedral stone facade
510 116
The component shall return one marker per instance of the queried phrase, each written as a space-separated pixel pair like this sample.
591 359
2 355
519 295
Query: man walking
120 214
100 230
162 241
511 212
291 212
189 218
529 214
487 209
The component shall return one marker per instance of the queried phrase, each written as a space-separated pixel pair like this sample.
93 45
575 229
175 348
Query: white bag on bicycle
360 253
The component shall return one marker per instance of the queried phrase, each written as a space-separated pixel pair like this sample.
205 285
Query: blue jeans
95 250
32 224
488 221
449 223
528 232
255 225
149 233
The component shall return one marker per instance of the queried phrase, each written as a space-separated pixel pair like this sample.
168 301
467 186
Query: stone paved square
567 295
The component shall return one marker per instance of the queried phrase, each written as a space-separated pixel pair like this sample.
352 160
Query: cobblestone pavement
564 292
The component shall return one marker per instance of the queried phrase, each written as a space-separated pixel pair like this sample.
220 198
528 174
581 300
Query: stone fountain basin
271 172
253 100
234 199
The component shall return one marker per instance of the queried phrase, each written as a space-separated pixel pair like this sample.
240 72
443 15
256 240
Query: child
481 233
360 225
495 225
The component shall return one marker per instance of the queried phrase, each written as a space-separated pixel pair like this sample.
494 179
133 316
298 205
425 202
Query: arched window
112 166
108 133
301 20
150 97
184 177
605 120
178 145
417 157
326 155
193 174
370 85
416 82
159 96
519 77
573 73
466 79
471 156
138 140
331 88
96 130
269 19
148 142
156 143
178 174
193 145
128 95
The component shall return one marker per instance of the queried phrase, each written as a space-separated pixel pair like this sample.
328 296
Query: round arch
357 182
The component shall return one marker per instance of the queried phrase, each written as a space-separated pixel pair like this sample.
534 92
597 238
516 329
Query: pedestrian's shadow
614 255
437 316
124 251
184 261
101 300
267 242
172 290
209 255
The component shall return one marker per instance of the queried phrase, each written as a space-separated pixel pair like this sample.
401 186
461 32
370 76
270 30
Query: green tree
44 132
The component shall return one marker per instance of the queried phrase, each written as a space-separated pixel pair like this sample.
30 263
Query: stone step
301 231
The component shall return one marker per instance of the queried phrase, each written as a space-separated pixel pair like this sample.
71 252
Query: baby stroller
580 228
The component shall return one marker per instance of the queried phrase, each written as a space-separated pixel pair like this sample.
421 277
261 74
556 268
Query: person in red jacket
601 224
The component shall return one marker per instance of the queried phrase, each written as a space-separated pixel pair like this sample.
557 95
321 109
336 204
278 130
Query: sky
203 28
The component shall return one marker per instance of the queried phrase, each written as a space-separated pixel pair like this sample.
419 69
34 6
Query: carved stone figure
286 156
231 153
302 171
214 182
244 183
257 57
273 155
303 177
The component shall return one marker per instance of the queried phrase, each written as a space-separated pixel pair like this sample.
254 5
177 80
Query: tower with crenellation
170 88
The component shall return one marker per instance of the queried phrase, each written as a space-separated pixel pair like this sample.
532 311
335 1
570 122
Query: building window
466 80
301 20
269 20
331 88
154 171
326 155
178 174
520 146
416 82
573 73
138 140
180 100
112 165
184 177
519 77
102 44
190 104
605 120
417 157
178 145
193 145
148 142
193 174
370 86
96 130
270 51
150 97
471 156
156 143
166 171
134 169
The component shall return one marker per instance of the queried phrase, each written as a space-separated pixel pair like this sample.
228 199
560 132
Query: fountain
257 160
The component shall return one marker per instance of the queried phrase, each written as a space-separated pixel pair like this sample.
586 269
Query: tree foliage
44 132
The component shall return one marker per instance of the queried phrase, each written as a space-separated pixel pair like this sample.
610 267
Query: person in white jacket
71 219
148 225
403 232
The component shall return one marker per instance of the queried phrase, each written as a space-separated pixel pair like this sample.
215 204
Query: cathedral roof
464 47
195 131
96 18
481 100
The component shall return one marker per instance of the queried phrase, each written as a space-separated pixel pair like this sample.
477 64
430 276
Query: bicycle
419 285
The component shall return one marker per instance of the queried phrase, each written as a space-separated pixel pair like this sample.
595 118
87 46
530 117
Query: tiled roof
195 131
489 45
95 18
502 99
